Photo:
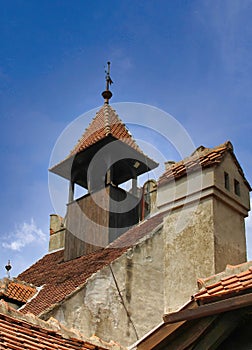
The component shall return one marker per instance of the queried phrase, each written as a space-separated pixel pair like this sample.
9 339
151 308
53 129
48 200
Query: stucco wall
229 212
97 308
189 254
230 241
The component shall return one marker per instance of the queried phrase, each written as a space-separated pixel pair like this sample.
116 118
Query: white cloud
24 234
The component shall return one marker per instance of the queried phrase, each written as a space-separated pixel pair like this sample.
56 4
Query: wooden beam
222 328
187 335
158 336
210 309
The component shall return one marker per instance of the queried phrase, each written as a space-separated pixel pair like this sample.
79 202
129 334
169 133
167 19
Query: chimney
169 163
57 232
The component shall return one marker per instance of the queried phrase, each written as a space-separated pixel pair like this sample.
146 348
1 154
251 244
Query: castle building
121 259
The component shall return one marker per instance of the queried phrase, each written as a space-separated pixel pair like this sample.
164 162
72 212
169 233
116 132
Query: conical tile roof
105 128
105 123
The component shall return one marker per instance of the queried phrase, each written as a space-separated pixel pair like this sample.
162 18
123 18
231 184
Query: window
237 187
226 180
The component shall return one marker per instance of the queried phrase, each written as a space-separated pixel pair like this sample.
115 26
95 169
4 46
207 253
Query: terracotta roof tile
105 128
226 285
16 290
202 157
106 122
20 332
58 279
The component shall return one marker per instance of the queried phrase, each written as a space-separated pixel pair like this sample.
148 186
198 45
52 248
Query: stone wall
97 308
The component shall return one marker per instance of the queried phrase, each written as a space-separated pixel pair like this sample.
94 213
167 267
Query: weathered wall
57 232
243 200
229 212
57 240
192 187
205 235
189 254
229 233
97 308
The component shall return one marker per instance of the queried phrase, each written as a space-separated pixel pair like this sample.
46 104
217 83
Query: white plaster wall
97 308
188 188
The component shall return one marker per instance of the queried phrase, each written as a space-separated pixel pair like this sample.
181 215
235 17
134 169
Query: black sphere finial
8 268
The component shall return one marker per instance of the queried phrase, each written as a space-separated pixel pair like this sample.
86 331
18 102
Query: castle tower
207 198
105 157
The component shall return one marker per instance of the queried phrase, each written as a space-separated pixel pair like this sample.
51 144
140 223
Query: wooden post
109 173
134 185
71 192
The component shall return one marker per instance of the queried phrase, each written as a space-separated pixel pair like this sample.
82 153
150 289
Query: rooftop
222 305
105 128
16 290
105 123
20 332
59 279
201 158
235 279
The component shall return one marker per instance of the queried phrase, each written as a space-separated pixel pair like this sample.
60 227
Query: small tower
105 157
207 197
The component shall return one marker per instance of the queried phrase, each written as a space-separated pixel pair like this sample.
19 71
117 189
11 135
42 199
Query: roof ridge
202 157
202 149
107 120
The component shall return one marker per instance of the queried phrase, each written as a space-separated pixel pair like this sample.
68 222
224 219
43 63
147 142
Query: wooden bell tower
105 157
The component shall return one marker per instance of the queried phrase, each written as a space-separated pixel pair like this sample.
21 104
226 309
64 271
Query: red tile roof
105 123
201 158
59 279
19 332
16 290
106 126
234 280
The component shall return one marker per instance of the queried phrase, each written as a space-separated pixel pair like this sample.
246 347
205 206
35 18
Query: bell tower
105 157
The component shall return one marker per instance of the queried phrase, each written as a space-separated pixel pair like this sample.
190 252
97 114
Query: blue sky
192 59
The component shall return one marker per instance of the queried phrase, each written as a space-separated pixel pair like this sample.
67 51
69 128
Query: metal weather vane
107 94
108 77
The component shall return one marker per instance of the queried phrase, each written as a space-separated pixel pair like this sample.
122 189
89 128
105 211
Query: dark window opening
226 179
237 188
